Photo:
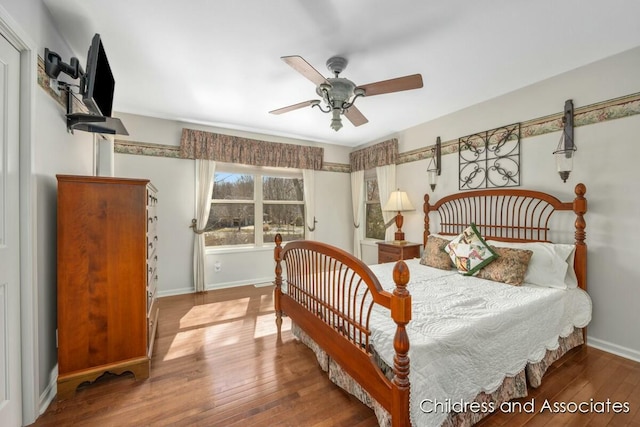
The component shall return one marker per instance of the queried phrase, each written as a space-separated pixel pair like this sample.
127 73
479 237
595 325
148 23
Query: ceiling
218 62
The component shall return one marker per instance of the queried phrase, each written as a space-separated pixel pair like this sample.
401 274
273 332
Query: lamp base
399 236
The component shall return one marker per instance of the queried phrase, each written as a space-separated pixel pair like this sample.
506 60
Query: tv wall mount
53 66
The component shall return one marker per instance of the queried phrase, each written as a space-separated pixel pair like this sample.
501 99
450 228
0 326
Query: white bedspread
468 334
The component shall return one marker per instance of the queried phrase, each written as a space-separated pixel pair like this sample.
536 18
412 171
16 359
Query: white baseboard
50 392
618 350
257 281
264 284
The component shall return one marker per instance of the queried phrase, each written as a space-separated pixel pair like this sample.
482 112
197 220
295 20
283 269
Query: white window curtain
386 176
357 202
309 188
205 170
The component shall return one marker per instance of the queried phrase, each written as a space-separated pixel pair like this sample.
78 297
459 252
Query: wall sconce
398 202
433 170
566 146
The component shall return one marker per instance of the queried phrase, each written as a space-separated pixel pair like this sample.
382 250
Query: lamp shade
398 202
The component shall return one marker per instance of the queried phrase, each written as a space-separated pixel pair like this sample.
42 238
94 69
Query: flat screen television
98 80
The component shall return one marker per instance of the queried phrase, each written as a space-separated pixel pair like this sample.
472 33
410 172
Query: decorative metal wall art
490 159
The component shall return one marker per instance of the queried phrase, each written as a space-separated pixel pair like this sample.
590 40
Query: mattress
468 334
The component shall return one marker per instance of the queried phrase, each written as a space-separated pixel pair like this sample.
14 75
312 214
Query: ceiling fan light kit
339 94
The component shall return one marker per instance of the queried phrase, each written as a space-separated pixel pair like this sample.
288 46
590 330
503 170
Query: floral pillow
469 252
510 266
551 264
434 254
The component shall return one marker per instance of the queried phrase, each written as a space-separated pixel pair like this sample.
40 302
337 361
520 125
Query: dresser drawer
391 252
151 299
152 327
387 257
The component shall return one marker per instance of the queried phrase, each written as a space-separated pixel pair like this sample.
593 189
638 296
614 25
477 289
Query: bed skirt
511 388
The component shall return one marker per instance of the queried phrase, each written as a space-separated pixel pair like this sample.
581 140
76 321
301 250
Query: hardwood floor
217 362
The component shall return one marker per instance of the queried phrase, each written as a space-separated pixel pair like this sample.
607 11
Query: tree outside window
239 198
374 222
283 200
232 215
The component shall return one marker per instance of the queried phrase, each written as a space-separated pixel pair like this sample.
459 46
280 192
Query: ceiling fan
339 94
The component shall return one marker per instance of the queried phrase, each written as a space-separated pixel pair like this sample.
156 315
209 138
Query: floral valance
197 144
384 153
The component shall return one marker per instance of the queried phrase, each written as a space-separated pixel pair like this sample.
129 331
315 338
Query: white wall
606 162
175 180
54 152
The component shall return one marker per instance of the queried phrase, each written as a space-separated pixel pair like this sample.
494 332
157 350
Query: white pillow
551 264
571 279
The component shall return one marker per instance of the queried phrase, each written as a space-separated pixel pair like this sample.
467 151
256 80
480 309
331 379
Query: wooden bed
330 294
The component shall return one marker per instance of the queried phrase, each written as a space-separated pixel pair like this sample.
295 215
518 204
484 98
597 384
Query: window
374 222
232 215
239 197
283 204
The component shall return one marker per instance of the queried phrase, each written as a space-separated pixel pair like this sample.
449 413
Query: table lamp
398 202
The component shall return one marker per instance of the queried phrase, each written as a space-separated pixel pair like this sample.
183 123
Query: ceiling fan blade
413 81
355 116
303 67
294 107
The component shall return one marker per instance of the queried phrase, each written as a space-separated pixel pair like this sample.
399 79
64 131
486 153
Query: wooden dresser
107 310
391 251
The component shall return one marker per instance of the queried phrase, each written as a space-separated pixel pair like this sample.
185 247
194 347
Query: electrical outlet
217 266
53 84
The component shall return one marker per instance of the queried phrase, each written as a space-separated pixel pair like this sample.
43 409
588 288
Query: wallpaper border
612 109
173 151
146 149
624 106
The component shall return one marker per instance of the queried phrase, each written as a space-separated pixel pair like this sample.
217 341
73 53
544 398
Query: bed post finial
401 314
425 209
277 292
580 208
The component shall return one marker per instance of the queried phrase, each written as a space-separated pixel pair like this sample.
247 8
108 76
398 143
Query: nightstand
391 251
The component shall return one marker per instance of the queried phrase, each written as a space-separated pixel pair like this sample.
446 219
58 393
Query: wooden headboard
510 214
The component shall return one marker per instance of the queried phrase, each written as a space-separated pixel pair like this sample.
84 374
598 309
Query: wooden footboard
330 295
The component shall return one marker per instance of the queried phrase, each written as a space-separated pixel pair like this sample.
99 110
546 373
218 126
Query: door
10 369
